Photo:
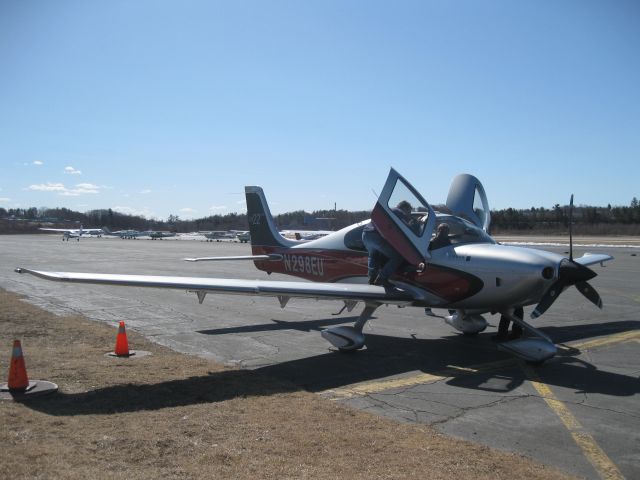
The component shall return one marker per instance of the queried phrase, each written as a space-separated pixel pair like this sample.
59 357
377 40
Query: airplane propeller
570 273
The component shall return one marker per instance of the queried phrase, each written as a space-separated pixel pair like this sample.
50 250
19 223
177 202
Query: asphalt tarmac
580 411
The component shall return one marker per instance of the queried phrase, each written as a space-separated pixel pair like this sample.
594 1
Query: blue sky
164 107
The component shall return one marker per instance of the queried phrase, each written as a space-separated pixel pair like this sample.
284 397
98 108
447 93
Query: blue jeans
377 247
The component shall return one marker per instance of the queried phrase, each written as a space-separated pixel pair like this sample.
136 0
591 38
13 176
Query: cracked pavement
415 369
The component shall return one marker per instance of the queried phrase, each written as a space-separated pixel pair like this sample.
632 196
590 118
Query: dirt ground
175 416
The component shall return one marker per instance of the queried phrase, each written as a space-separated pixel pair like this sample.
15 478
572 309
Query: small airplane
304 235
160 235
76 233
220 235
471 276
244 236
124 234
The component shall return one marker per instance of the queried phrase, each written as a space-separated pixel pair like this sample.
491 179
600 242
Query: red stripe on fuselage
313 264
333 265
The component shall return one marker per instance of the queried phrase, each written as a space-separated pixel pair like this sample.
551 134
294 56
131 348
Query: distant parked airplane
125 234
219 235
304 235
160 235
76 233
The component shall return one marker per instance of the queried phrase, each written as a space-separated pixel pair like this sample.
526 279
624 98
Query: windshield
460 231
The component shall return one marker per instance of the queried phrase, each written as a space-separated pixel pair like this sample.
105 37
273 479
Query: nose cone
572 272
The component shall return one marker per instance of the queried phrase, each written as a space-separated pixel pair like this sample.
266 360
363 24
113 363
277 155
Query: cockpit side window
353 239
478 207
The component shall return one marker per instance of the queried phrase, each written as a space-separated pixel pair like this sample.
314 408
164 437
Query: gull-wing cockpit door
410 239
468 200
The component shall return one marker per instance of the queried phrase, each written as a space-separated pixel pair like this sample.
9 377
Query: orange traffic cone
19 386
18 379
122 345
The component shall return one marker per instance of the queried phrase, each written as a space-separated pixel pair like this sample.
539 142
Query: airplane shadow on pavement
384 357
302 326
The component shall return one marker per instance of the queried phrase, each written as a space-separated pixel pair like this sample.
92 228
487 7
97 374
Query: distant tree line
586 220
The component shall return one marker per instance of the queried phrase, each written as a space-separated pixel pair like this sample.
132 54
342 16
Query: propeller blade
571 228
548 298
569 273
588 291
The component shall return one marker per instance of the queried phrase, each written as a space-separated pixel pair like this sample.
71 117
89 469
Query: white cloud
88 186
80 189
4 199
38 162
72 171
146 191
215 208
187 210
48 187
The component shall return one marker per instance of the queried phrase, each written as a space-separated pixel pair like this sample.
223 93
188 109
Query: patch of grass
170 415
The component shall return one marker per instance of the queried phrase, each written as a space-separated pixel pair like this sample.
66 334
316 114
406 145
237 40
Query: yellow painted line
596 456
368 388
361 389
608 340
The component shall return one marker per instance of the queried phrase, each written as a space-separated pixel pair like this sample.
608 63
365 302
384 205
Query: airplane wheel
350 351
535 363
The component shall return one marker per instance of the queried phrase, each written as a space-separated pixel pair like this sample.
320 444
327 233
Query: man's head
405 207
443 229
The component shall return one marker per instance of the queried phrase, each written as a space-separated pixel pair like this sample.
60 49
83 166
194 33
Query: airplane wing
88 231
69 230
593 258
201 286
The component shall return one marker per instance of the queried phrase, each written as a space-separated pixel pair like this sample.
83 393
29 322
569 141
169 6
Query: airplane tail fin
262 227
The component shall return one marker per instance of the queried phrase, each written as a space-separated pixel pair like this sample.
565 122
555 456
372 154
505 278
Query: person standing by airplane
503 328
379 272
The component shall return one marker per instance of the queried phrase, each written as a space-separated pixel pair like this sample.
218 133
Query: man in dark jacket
442 237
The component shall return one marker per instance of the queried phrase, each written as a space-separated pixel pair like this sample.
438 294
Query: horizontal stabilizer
273 257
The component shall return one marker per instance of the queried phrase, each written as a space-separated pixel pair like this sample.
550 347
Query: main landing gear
534 349
349 339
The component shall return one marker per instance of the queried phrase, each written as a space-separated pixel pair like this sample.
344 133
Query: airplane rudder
261 224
